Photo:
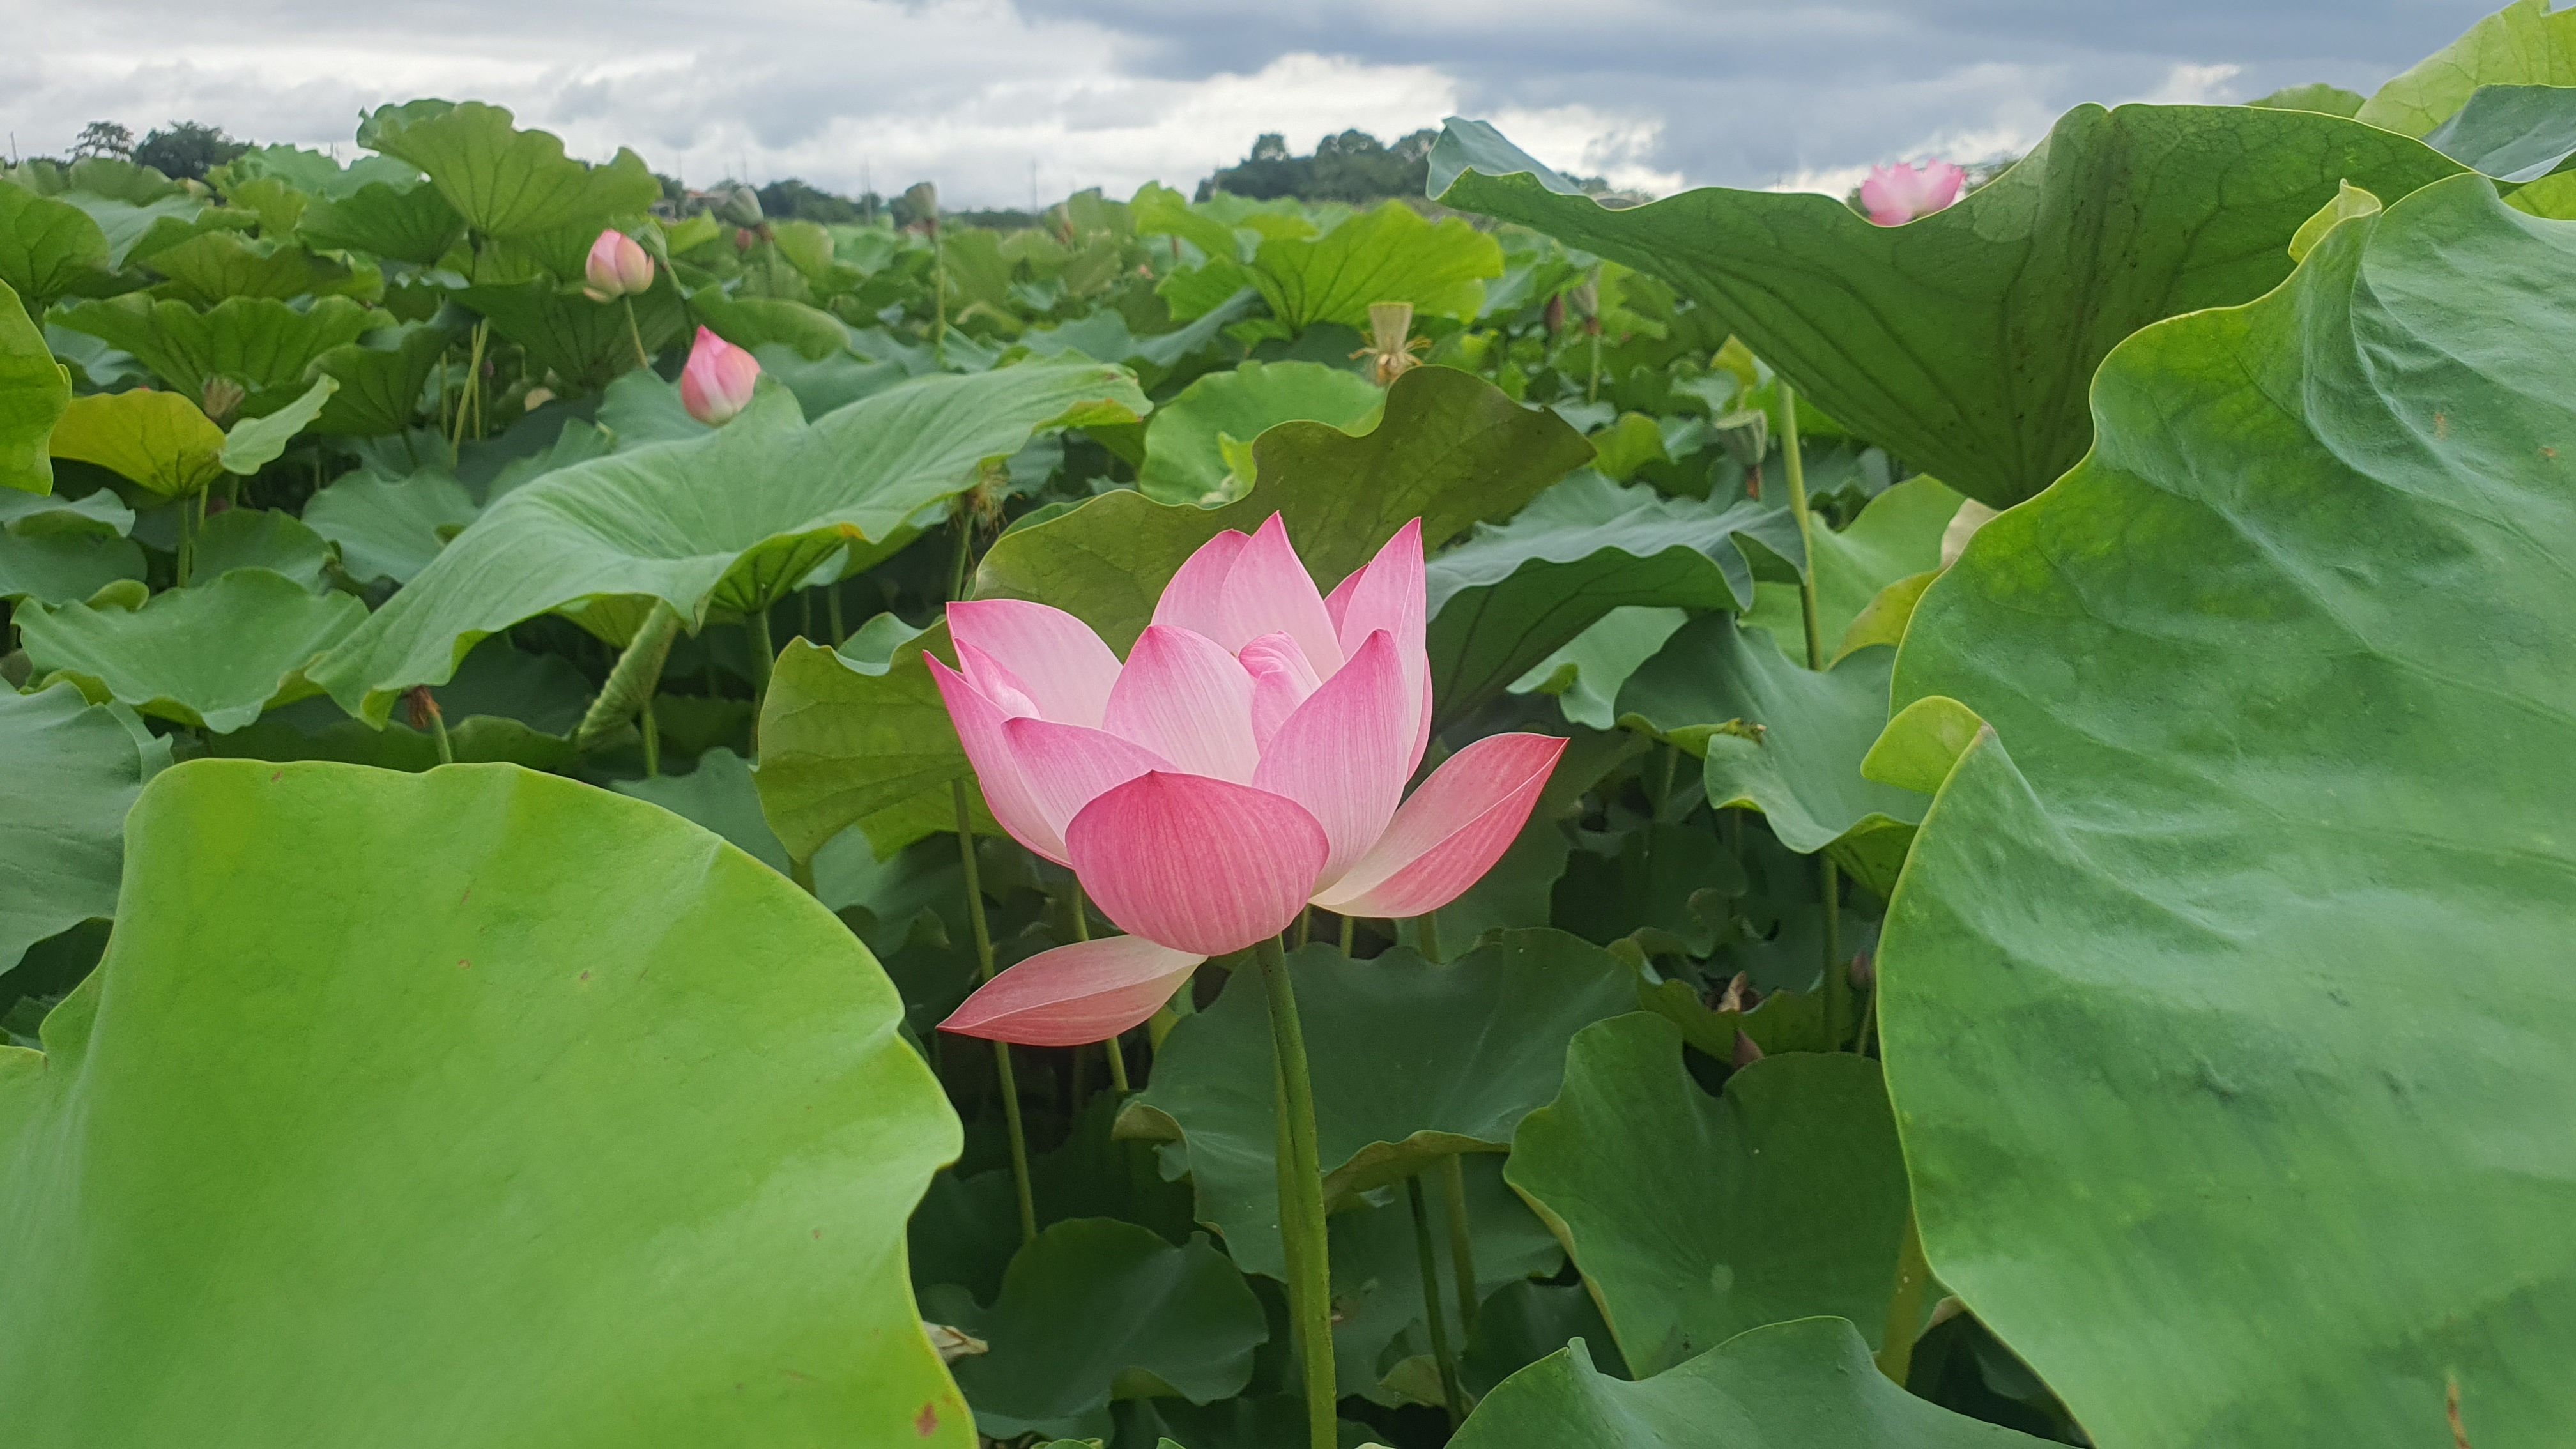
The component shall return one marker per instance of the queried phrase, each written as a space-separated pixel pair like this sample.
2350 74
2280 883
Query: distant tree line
180 150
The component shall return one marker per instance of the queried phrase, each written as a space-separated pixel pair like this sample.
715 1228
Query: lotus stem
643 359
764 653
191 511
1462 1244
1905 1310
1117 1052
1001 1049
1301 1197
1431 1315
1350 929
468 396
1828 877
1426 935
832 612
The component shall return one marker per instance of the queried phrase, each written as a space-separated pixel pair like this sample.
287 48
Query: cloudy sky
993 98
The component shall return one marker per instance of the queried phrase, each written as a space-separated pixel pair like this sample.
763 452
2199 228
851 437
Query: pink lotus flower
1895 195
716 383
1248 758
617 267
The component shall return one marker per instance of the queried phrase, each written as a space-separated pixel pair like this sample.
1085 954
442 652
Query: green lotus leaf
47 245
1695 1218
254 443
1511 595
2512 133
156 658
503 706
1389 254
1805 1384
507 182
2315 96
1782 739
1451 449
381 377
260 538
56 568
159 440
2117 219
1897 535
858 737
34 390
207 268
719 794
1378 1322
2524 44
733 521
407 221
1096 1308
99 514
1585 673
261 343
1183 460
385 1068
580 342
390 528
755 322
311 172
1413 1062
2254 896
75 768
136 231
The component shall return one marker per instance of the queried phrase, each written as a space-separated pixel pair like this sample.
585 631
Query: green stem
801 871
643 359
832 609
188 513
438 732
1001 1049
1117 1048
632 680
1301 1196
764 653
1305 926
652 740
963 523
1462 1244
1905 1310
466 395
1350 927
1431 1315
1828 877
1426 935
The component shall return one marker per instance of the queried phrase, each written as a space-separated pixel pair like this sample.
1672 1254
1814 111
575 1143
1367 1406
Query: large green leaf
2523 44
157 658
1378 1321
56 568
159 440
1387 255
1807 1384
1963 341
595 1127
390 528
2254 897
1451 449
1412 1062
580 342
259 342
409 221
207 268
732 521
34 390
381 377
1510 596
1185 458
507 182
2513 133
260 538
47 245
1782 739
1095 1308
75 768
859 736
1695 1218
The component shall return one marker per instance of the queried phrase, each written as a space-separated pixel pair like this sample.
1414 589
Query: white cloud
2196 85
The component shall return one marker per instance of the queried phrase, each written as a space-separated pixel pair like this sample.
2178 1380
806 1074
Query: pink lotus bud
1248 759
1895 195
717 382
617 267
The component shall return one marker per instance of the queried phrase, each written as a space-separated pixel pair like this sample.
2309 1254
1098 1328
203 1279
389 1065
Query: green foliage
1354 166
2253 779
80 766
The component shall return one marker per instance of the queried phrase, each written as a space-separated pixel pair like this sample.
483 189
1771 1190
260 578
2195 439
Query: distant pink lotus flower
716 383
1895 195
617 267
1248 758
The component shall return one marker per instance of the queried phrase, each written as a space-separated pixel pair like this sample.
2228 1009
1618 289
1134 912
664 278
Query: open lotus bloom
1248 758
1894 195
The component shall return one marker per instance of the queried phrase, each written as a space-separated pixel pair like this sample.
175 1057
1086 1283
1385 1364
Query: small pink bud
1864 975
617 266
1895 195
716 384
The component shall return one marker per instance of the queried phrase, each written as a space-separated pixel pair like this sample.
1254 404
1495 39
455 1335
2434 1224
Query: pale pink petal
1268 591
1342 754
1195 598
1185 698
1054 656
716 382
1389 595
1006 792
995 681
1281 680
1945 181
1451 832
1198 864
1068 766
1086 992
1339 600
